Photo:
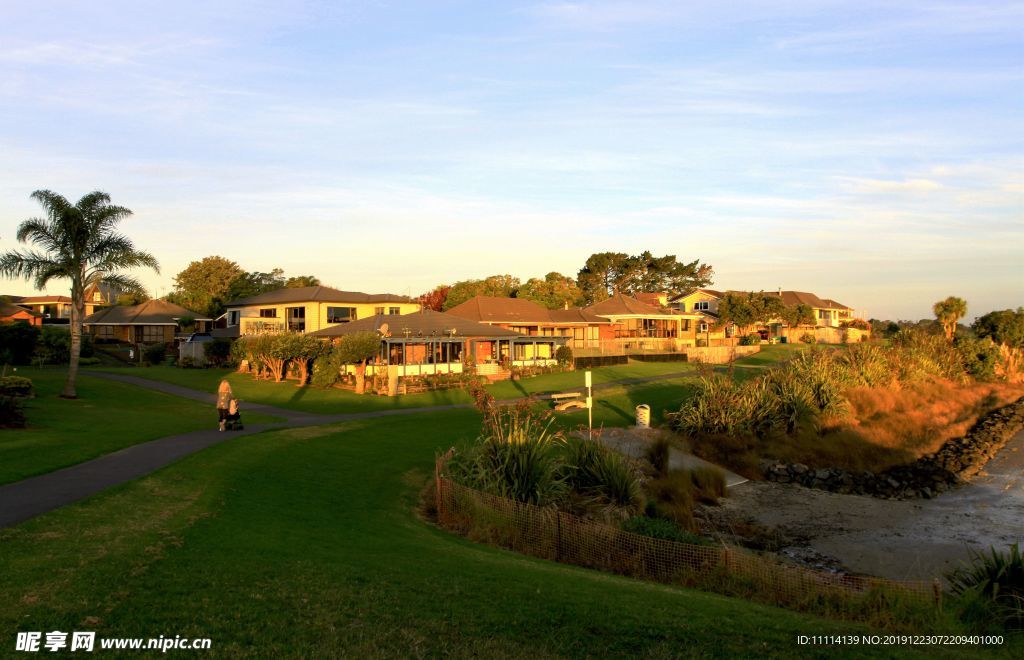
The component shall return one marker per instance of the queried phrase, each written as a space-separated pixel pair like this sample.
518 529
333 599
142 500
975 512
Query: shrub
327 368
753 339
12 412
15 386
660 528
516 456
564 355
672 497
17 342
155 353
218 352
808 338
658 454
187 362
996 580
980 358
708 483
702 343
601 474
718 405
88 361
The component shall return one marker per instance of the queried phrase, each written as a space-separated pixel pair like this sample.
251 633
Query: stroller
233 422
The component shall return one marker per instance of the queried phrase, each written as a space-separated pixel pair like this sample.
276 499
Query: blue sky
869 152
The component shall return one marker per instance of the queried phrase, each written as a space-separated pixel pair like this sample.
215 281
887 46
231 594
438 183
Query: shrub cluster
520 457
753 339
992 587
21 343
13 390
564 356
15 386
811 389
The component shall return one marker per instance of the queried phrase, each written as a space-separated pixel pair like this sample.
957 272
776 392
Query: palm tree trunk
77 316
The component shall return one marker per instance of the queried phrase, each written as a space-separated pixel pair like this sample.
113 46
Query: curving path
31 497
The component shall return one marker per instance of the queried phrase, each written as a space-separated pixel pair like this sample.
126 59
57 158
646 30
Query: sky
870 152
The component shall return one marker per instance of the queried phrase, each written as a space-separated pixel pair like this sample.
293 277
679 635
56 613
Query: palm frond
124 283
53 203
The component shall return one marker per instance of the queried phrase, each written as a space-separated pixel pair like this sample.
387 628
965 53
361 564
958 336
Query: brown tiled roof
316 294
576 315
21 300
519 311
424 323
835 305
151 312
8 310
622 305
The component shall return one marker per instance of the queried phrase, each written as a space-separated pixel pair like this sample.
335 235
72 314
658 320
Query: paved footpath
31 497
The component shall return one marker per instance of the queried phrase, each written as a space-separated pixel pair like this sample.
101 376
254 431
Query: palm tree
79 243
949 312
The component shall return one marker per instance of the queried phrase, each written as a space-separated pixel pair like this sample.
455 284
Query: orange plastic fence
548 533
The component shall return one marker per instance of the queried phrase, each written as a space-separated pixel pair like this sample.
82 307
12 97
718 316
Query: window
394 311
296 318
379 311
105 331
703 327
702 305
341 314
233 318
152 334
268 313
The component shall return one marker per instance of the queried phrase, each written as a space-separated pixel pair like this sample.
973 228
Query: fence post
558 535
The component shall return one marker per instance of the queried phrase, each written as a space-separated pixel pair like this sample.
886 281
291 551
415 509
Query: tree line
602 275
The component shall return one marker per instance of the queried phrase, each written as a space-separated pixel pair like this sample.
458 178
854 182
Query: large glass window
379 311
394 311
702 305
341 314
296 318
105 331
268 313
152 334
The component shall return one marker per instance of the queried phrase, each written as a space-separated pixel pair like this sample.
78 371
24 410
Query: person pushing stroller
228 408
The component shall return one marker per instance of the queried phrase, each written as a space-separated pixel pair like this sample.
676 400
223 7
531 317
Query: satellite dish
383 329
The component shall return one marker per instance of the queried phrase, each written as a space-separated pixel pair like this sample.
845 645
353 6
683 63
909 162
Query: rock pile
956 460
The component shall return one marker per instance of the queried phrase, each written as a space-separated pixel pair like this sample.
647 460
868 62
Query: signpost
590 406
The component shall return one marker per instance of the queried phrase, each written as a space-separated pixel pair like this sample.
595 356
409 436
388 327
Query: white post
590 406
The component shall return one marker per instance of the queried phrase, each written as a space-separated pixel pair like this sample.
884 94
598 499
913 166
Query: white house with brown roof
309 309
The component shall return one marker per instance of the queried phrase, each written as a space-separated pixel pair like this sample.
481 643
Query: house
638 324
308 309
11 313
428 342
583 329
827 312
56 308
151 322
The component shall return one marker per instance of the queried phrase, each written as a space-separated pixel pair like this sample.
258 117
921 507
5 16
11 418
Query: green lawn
304 543
106 417
311 399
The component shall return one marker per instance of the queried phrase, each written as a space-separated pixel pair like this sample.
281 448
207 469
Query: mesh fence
550 534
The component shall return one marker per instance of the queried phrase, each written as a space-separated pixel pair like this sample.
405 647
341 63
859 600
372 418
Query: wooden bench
567 401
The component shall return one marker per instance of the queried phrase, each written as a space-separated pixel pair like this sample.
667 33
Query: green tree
78 242
1003 327
501 286
301 281
252 284
357 349
797 315
605 273
602 275
203 285
555 291
948 312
